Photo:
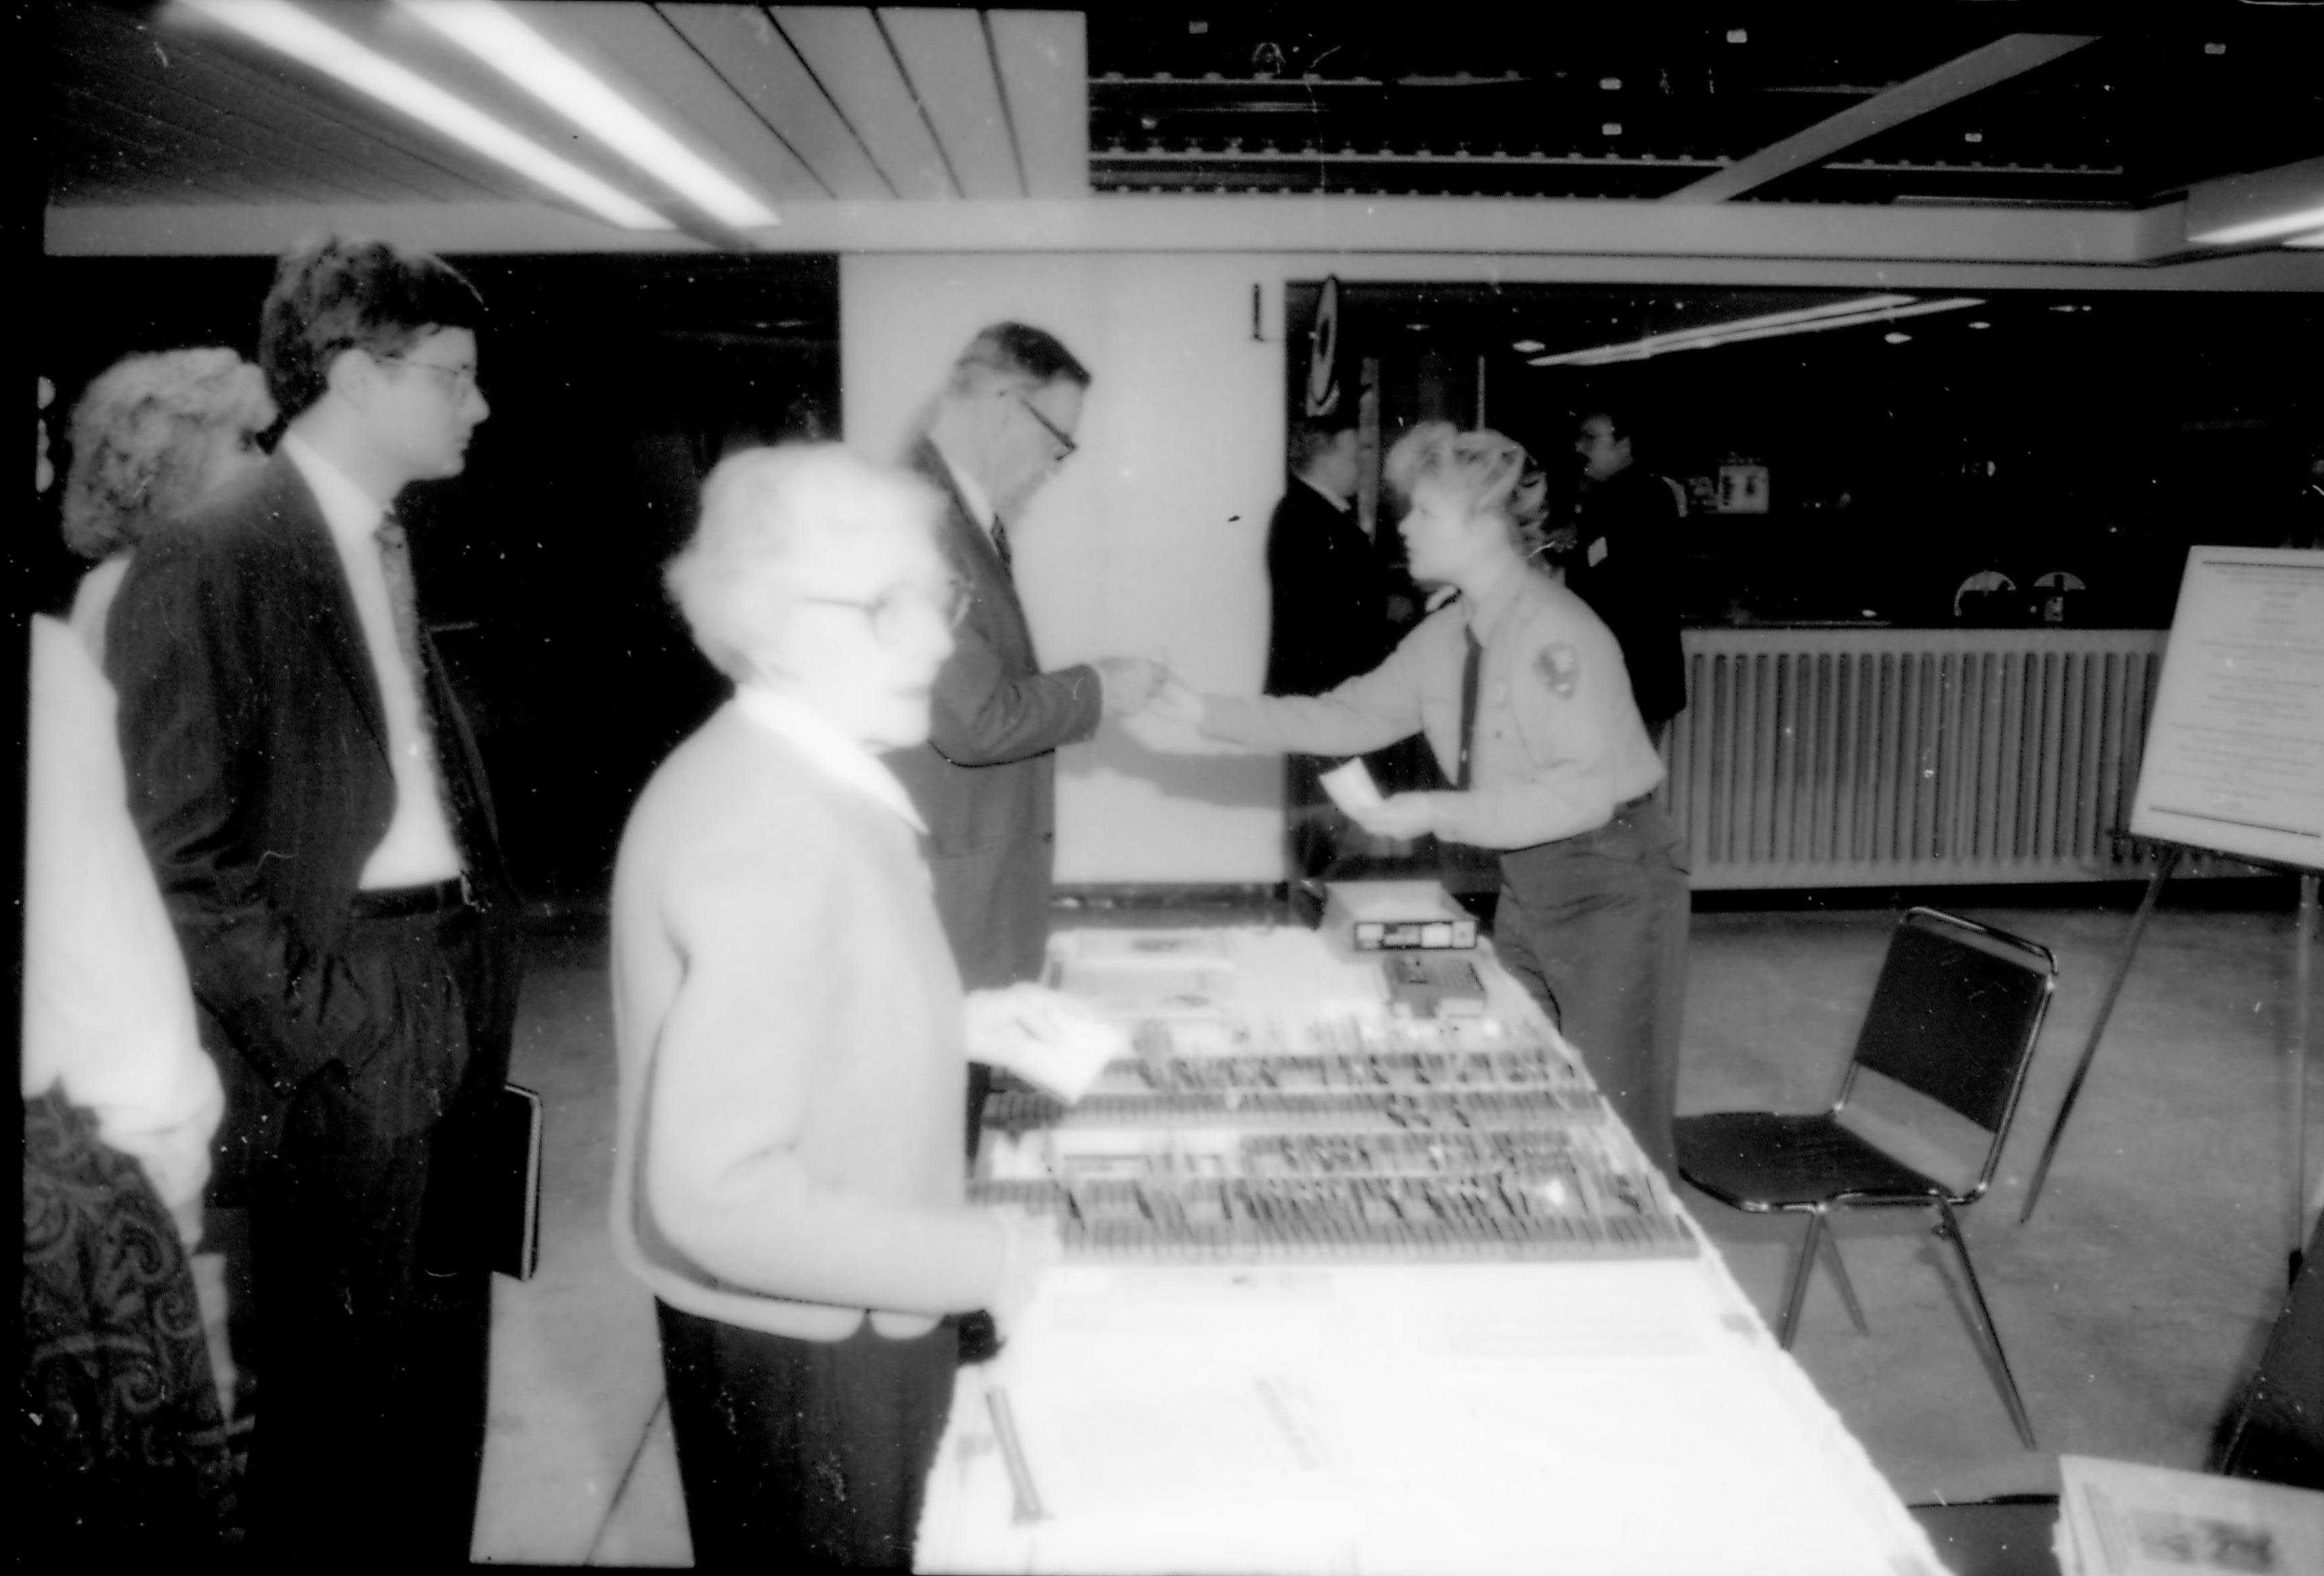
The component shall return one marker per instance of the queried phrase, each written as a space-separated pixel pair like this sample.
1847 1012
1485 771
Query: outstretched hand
1177 701
1399 816
1130 682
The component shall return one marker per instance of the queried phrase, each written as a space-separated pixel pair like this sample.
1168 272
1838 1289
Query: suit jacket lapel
997 608
327 600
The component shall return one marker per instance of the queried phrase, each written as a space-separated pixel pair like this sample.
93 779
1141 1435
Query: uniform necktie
1001 544
1470 667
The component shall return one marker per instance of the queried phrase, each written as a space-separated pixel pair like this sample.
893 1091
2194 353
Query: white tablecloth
1616 1417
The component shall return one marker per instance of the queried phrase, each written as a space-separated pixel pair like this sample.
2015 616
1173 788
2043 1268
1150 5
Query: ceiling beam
1973 72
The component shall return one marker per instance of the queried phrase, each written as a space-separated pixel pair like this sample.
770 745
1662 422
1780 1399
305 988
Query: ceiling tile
755 58
1044 60
948 62
682 91
850 56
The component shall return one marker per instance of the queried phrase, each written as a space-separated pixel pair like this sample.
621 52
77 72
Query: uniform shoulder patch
1559 667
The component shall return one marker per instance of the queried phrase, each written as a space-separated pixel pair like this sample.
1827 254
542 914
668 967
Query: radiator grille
1901 757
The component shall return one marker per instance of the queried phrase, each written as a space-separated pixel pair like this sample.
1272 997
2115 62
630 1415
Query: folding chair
1953 1019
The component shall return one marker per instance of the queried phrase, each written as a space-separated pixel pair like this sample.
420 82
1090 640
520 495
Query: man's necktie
1469 671
403 601
1001 544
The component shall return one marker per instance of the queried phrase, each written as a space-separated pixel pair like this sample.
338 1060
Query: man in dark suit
316 812
1619 561
1335 604
986 780
1331 587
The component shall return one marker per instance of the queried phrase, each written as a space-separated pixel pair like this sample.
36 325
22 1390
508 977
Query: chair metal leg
1798 1291
1839 1279
1987 1333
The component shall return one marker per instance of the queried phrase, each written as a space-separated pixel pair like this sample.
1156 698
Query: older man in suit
316 811
985 780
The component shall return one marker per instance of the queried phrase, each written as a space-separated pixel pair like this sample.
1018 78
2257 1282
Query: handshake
1136 684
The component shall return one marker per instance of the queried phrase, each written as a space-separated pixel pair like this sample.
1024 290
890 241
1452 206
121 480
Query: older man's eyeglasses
889 614
1057 435
460 382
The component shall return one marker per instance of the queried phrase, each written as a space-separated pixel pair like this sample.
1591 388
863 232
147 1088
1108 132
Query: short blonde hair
1487 473
764 510
140 440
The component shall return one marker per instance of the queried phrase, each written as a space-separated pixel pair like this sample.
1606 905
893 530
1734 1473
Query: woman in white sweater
792 1035
126 1449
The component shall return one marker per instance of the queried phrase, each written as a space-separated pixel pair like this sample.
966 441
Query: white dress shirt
420 847
980 507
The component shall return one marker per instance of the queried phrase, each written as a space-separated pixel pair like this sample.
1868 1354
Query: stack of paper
2118 1518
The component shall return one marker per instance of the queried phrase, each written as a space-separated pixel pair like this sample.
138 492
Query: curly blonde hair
762 511
142 440
1487 473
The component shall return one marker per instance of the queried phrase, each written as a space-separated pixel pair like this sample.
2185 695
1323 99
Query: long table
1341 1410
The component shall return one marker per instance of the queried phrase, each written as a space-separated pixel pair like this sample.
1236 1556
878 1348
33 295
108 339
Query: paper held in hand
1351 788
1045 1038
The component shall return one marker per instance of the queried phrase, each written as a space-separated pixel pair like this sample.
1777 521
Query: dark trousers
1595 927
804 1455
373 1306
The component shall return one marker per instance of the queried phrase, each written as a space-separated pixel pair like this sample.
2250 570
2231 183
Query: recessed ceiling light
1979 323
1528 346
1738 35
296 34
507 44
1897 336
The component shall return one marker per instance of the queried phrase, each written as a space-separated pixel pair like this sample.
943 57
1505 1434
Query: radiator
1812 758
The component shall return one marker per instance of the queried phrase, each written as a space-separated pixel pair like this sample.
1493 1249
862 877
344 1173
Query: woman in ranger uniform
1521 692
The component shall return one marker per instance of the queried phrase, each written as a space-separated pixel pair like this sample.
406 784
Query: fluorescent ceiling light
1884 315
2263 204
2290 224
1767 325
1849 315
283 26
498 38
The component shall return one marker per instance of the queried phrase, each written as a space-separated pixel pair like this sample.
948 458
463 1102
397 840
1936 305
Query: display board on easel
2234 752
2234 764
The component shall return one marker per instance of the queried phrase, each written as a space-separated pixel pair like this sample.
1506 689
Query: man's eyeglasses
462 380
1057 435
889 612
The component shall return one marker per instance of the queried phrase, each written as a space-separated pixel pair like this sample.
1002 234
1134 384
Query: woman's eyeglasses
890 613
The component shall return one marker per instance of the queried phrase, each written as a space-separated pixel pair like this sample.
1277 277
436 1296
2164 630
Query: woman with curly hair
152 434
1521 692
119 1421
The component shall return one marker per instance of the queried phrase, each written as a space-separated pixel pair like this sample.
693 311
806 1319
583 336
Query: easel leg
2303 990
2097 1027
